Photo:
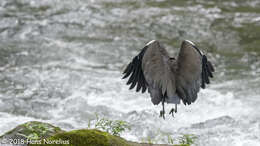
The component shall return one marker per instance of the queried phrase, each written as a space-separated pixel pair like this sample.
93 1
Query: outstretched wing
193 72
151 69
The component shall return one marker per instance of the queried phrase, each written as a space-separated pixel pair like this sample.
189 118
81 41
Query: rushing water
61 62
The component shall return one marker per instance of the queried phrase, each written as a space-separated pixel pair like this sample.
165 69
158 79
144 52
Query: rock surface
32 130
44 134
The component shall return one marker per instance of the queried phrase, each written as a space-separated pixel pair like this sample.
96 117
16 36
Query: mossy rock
83 137
32 130
89 137
43 134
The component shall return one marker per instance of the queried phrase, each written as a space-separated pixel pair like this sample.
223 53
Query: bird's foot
162 114
172 112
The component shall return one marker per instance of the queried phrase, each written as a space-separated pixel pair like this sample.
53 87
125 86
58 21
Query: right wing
193 71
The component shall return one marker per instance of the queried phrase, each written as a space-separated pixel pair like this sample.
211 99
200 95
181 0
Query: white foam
9 121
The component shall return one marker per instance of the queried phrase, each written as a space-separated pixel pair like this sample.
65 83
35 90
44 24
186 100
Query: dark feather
138 88
136 76
203 86
211 68
144 89
182 95
204 69
130 80
128 70
204 72
134 70
209 71
143 82
206 76
188 96
139 83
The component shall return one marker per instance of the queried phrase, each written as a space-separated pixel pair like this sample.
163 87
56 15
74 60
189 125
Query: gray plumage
167 79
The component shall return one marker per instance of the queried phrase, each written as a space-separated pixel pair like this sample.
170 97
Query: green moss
187 139
84 137
43 134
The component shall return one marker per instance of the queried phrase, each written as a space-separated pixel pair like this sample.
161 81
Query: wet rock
89 137
214 122
22 134
44 134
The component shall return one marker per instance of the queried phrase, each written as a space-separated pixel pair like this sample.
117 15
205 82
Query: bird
169 80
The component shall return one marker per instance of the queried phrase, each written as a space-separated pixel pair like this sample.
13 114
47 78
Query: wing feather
134 70
193 72
128 70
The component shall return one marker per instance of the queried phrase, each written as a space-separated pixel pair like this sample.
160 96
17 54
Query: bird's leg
162 112
173 110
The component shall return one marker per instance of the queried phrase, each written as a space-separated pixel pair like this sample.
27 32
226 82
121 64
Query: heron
169 79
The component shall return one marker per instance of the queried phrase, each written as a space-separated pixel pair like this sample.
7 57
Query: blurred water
61 62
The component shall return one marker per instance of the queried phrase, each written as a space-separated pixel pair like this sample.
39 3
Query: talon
162 113
172 112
